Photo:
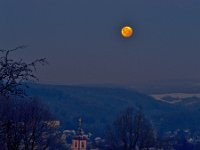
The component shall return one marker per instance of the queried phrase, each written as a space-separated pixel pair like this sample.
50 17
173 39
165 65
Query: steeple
79 141
80 129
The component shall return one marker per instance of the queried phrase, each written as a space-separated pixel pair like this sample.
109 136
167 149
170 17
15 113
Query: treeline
131 130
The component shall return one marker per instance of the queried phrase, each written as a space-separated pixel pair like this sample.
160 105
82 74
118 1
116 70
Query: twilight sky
81 39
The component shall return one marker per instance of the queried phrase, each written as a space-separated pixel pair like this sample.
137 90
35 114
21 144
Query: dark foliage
26 125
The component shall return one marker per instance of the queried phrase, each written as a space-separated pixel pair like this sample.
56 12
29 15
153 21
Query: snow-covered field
177 97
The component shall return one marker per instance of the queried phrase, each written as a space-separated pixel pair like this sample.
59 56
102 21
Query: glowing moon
127 31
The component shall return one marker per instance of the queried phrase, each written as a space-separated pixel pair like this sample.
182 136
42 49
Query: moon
127 31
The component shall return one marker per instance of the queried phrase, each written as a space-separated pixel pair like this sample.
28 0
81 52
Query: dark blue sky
81 39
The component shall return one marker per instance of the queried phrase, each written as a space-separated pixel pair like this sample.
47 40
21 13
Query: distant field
174 97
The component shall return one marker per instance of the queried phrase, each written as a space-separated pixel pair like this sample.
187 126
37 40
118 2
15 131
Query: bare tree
27 125
23 123
14 73
130 131
35 130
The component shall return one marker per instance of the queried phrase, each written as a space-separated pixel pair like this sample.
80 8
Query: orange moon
127 31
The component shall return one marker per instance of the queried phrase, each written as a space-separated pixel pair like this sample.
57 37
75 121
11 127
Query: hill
98 106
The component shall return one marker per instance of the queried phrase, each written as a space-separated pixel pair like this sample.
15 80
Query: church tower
79 142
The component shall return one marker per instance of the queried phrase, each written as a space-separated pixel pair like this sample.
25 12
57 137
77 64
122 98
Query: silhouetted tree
13 73
24 122
26 125
130 131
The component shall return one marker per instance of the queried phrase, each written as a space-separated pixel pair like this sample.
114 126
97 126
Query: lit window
82 144
76 145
